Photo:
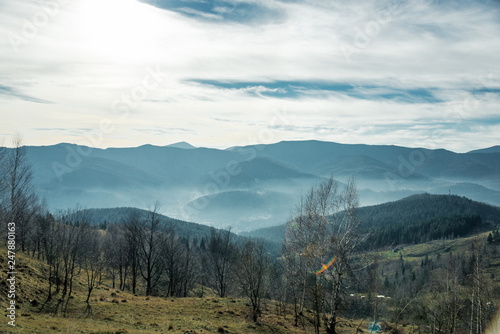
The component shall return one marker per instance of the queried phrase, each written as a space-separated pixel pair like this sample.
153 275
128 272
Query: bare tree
70 237
3 191
52 242
133 232
479 288
219 260
191 267
22 199
345 238
324 226
116 254
253 273
307 243
91 259
292 273
148 238
174 253
279 284
180 265
3 177
38 230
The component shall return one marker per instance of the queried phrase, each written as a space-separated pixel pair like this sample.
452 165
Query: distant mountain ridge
180 175
493 149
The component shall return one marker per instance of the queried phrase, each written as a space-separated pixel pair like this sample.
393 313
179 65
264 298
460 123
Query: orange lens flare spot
326 266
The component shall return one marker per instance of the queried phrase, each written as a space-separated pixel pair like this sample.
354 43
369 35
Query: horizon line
223 148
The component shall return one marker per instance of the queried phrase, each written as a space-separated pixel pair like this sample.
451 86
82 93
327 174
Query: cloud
10 92
297 90
239 11
370 72
157 131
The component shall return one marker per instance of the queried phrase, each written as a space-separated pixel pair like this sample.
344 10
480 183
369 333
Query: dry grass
114 311
131 314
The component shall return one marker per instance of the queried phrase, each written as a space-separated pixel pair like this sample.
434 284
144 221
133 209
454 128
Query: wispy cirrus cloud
9 92
246 12
390 72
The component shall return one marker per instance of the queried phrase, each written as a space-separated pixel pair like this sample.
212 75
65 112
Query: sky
123 73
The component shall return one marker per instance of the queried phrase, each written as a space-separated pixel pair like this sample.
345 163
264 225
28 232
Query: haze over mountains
254 186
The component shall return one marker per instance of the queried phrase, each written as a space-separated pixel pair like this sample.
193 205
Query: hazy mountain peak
183 145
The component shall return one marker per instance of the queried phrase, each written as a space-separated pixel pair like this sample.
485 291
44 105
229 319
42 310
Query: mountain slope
493 149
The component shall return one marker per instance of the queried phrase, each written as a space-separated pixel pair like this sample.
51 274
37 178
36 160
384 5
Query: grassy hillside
115 311
438 248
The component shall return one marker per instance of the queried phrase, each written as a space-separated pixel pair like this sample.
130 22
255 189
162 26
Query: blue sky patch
296 89
235 11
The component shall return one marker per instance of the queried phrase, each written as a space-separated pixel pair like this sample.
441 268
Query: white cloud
90 53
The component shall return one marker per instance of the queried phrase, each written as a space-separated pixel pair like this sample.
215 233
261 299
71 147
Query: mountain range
250 187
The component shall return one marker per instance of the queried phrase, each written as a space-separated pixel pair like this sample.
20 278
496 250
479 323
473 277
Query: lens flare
325 266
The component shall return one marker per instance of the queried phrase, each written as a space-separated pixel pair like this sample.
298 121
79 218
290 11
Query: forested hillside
423 207
414 219
103 217
418 232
